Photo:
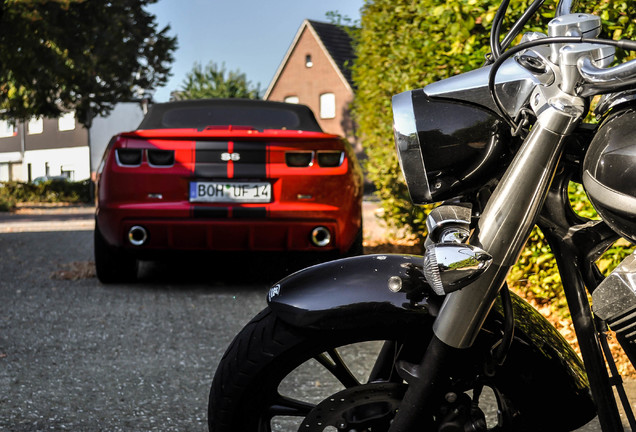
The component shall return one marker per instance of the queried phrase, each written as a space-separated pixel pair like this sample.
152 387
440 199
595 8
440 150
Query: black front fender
346 292
542 374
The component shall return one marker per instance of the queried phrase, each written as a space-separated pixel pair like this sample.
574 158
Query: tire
277 377
112 265
357 247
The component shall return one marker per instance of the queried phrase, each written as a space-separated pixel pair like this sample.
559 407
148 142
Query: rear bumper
247 235
242 234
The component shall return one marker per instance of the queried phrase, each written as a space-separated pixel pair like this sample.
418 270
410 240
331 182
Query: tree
213 81
62 55
405 44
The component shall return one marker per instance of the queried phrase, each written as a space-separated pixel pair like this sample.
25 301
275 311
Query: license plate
231 192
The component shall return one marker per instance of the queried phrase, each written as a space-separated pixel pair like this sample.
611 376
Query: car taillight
160 157
299 159
330 159
128 157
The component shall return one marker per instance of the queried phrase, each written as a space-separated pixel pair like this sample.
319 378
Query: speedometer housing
447 148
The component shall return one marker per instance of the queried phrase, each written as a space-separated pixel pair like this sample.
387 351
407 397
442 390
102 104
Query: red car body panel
159 197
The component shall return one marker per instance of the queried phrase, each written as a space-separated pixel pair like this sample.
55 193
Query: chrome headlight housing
447 148
409 150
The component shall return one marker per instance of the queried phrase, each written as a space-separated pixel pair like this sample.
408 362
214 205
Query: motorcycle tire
245 392
252 389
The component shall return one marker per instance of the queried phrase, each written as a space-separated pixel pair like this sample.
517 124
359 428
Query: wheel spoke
333 362
384 364
264 425
286 406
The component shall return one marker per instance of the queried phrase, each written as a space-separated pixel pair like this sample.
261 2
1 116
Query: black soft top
201 113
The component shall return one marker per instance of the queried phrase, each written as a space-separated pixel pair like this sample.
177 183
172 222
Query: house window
308 62
35 126
7 129
327 105
292 99
66 122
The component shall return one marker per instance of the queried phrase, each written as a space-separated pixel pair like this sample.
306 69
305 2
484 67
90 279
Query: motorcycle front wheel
275 377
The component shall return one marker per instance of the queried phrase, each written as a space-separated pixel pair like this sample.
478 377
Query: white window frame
292 99
7 129
327 106
35 126
66 122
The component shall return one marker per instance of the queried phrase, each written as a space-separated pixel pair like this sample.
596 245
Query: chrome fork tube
506 223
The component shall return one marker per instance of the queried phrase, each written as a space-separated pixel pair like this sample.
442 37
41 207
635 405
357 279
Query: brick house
315 72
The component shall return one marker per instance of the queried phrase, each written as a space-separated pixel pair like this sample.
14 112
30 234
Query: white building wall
124 117
72 161
4 172
9 165
78 161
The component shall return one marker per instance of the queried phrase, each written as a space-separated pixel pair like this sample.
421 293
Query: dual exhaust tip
137 235
320 236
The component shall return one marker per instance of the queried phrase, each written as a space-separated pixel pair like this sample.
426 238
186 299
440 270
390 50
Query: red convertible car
225 176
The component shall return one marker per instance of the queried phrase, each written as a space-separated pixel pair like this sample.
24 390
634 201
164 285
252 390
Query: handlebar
605 80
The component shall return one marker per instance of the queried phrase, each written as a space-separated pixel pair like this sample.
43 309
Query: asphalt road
80 356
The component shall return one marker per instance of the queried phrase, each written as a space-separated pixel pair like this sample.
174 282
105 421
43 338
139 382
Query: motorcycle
438 342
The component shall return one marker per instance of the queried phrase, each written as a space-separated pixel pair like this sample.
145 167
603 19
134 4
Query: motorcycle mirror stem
566 7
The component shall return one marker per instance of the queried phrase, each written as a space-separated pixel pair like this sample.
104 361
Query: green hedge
536 274
406 44
13 192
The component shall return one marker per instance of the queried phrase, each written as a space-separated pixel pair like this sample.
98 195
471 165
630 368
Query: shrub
536 276
404 44
14 192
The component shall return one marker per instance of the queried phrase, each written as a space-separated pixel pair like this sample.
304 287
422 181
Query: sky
251 36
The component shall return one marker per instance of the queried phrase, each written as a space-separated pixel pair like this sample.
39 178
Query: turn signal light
449 267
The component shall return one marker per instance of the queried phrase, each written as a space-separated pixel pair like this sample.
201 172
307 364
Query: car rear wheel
357 247
111 264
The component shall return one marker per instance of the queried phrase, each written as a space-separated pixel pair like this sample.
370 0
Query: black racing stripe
208 161
253 159
211 212
249 212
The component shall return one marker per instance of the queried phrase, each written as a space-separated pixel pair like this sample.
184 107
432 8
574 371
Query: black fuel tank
609 171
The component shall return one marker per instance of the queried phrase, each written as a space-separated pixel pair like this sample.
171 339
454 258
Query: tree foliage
406 44
213 81
82 55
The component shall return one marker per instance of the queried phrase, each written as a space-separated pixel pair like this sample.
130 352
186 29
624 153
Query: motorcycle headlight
447 148
409 150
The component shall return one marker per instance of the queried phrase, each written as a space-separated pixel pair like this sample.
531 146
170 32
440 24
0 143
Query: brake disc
365 407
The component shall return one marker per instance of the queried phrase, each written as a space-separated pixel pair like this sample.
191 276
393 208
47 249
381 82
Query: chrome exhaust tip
320 236
137 235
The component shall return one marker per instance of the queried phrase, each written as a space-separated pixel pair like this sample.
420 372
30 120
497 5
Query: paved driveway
80 356
76 355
